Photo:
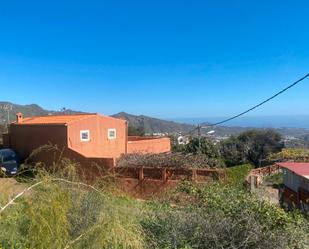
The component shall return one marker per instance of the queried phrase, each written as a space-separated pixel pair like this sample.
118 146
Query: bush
173 160
220 216
67 213
236 175
298 155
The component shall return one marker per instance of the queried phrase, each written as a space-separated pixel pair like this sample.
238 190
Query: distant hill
27 110
150 124
154 125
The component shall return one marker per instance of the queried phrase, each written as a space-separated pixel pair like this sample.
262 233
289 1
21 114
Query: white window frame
108 134
81 137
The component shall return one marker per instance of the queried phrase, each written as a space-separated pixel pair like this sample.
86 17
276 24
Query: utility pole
199 138
8 108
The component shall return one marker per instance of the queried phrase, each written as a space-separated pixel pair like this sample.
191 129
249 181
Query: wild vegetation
253 146
172 160
299 155
60 210
256 147
221 216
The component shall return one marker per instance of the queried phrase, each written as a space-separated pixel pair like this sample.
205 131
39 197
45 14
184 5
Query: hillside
27 110
154 125
150 124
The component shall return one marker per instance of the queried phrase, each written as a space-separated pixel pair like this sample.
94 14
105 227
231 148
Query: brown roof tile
56 119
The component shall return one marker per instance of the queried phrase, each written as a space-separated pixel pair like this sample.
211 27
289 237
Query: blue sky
162 58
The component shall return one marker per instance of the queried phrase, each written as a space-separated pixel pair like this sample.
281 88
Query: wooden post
141 174
194 175
164 175
252 182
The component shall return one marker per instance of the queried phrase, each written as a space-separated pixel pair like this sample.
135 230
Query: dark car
9 161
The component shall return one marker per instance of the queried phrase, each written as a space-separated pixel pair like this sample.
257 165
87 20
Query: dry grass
9 187
59 209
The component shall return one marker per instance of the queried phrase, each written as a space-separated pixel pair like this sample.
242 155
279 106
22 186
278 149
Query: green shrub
236 175
276 179
221 216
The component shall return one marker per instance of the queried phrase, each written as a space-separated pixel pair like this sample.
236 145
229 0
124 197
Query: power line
252 108
263 102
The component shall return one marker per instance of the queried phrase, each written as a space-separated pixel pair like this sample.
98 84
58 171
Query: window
111 133
84 135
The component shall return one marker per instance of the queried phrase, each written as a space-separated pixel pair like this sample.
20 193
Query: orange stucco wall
99 144
149 145
25 138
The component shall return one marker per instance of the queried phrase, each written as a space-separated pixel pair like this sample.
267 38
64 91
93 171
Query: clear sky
161 58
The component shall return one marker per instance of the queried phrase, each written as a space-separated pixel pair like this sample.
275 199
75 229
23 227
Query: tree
232 151
252 146
204 146
136 131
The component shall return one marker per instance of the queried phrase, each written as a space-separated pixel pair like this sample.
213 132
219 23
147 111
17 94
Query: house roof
298 168
56 119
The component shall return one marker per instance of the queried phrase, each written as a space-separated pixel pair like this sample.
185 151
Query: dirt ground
267 192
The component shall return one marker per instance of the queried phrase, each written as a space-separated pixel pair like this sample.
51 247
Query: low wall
145 182
142 182
148 145
166 174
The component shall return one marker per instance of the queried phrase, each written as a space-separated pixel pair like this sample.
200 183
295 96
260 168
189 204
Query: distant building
91 136
295 191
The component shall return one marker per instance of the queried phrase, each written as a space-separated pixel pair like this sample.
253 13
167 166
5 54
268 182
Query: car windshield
8 156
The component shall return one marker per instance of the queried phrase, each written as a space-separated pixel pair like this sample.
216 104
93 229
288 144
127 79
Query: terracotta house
88 136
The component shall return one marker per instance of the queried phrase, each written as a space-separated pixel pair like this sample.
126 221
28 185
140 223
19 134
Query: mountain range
8 111
154 125
149 124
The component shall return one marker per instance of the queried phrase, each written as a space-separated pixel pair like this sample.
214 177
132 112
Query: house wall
89 168
149 145
25 138
295 192
99 144
6 140
291 180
